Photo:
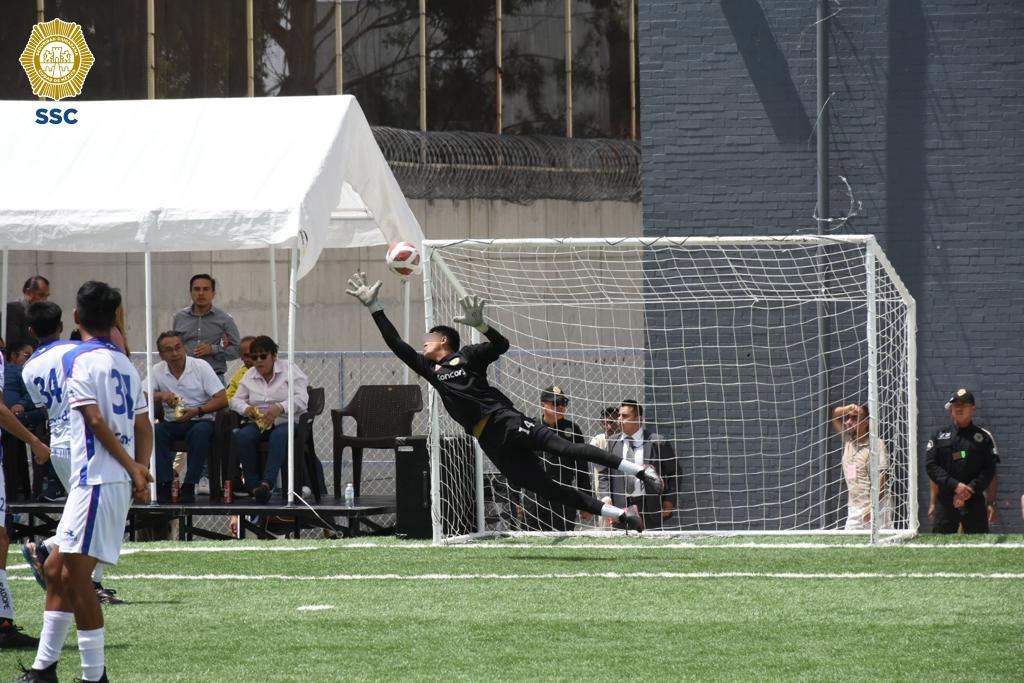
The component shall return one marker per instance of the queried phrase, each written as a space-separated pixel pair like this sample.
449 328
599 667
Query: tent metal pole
273 294
3 286
148 267
292 306
406 306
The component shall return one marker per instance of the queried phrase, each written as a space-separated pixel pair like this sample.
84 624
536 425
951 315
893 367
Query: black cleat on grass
631 519
12 637
107 596
47 675
102 679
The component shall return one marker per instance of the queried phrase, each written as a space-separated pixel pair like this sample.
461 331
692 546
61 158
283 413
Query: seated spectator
244 348
262 397
191 393
16 395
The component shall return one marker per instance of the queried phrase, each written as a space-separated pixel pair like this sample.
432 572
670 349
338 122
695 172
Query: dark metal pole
823 214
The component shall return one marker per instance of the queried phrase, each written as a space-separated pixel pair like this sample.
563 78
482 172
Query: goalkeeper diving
510 439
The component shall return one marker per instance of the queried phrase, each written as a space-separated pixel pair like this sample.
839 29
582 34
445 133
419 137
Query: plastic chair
381 412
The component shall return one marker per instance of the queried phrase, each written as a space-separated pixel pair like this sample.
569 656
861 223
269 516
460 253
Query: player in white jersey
111 439
46 384
11 635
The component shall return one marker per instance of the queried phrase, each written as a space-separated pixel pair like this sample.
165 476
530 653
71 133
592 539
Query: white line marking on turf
226 548
553 576
314 608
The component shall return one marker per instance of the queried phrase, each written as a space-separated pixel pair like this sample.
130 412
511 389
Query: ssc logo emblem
56 59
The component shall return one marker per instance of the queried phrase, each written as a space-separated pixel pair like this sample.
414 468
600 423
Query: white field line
555 576
231 548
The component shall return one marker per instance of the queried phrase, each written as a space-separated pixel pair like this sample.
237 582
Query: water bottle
350 495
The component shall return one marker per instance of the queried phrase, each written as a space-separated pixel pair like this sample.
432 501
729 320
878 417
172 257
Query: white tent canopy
304 173
177 175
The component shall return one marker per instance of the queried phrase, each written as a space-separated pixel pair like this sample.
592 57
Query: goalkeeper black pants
511 441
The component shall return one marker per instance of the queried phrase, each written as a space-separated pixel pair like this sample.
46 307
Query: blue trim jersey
47 385
98 373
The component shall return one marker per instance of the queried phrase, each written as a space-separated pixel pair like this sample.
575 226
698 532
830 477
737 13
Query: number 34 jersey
46 384
98 373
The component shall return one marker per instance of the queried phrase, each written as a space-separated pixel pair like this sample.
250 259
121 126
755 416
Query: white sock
611 511
6 603
630 467
52 637
97 572
90 647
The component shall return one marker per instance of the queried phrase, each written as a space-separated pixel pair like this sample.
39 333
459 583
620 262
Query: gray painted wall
925 114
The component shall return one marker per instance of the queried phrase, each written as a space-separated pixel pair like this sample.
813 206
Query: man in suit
643 447
36 288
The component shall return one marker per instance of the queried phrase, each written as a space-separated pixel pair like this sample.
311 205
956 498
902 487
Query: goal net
737 349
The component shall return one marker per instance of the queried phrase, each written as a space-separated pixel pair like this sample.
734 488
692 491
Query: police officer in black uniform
540 513
961 460
459 375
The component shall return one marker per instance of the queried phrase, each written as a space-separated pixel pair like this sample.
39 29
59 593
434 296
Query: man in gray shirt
207 332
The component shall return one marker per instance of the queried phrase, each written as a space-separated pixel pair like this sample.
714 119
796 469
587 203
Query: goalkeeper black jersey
460 378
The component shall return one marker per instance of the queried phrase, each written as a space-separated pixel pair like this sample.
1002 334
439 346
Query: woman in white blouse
262 397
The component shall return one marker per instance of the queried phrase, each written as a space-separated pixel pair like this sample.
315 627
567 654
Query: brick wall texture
927 102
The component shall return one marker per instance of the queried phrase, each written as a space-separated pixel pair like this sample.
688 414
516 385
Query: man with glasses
510 439
191 393
207 332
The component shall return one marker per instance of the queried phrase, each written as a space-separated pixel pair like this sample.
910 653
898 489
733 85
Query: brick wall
927 103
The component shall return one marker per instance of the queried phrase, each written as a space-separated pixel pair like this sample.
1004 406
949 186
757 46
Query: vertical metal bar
273 293
632 69
824 211
423 65
911 379
148 273
40 11
434 407
150 49
406 313
6 282
873 408
568 68
250 52
339 51
292 307
498 76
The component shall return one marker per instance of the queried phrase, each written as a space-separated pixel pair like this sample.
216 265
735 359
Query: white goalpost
737 349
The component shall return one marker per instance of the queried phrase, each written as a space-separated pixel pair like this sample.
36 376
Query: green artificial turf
553 609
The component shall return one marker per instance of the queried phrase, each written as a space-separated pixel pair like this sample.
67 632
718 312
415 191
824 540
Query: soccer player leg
524 470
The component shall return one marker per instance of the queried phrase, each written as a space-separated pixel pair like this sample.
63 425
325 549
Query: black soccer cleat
631 519
35 554
12 637
102 679
47 675
653 483
107 596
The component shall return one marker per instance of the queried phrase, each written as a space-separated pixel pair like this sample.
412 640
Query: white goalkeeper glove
472 313
360 288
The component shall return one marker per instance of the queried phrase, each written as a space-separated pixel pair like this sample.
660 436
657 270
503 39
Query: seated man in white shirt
191 393
262 396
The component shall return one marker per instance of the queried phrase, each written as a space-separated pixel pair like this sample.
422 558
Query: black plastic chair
382 412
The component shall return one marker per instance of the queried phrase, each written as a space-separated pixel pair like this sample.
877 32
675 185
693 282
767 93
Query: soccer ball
403 258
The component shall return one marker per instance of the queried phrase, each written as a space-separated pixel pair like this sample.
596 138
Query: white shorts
60 456
93 521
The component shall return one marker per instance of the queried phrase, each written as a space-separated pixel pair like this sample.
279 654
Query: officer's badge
944 435
978 437
454 361
56 59
931 444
